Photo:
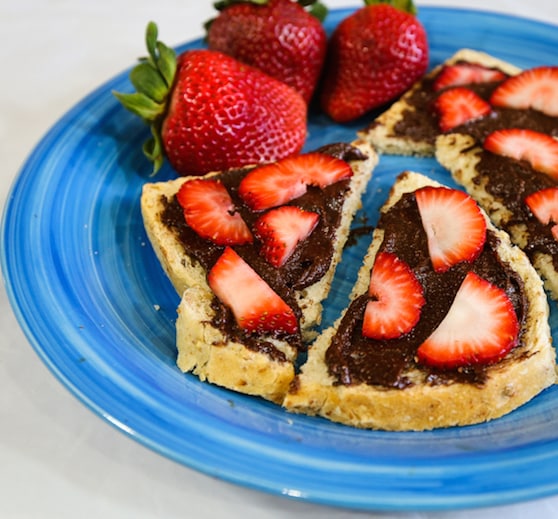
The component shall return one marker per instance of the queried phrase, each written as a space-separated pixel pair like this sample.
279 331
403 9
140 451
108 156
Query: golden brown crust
510 383
381 132
203 349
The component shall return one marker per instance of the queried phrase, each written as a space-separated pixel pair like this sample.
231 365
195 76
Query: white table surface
58 459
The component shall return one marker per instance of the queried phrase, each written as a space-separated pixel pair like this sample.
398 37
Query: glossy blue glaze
96 306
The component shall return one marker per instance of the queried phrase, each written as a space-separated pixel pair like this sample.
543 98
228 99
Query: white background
58 459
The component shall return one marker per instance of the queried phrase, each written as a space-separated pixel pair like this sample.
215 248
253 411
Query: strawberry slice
535 88
481 327
466 74
539 149
323 170
276 184
544 205
459 105
210 212
281 230
454 226
257 308
396 299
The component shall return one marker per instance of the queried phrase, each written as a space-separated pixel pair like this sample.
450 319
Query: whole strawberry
374 55
279 37
208 111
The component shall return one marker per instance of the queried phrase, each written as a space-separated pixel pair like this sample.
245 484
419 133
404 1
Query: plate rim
357 501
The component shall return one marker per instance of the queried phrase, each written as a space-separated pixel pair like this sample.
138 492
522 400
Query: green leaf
153 149
319 11
166 63
141 105
149 81
151 34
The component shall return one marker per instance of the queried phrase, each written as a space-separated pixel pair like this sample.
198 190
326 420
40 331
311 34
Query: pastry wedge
411 375
228 287
410 126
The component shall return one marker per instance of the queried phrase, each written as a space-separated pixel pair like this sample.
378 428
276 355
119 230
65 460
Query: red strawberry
276 184
481 327
279 37
534 88
281 230
454 226
256 306
544 205
396 299
210 112
461 74
459 105
374 55
539 149
209 210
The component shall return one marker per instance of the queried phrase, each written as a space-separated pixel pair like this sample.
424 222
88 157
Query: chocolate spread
353 358
420 121
307 265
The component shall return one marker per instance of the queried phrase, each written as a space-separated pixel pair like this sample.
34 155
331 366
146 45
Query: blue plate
96 306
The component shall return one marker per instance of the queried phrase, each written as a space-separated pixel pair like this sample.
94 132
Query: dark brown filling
309 263
420 122
353 358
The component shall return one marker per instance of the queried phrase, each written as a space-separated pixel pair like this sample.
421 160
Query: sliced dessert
452 94
510 164
447 325
252 252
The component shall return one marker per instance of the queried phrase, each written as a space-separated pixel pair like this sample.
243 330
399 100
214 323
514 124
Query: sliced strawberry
209 210
535 88
481 327
396 299
270 186
539 149
454 226
466 74
257 308
323 170
276 184
459 105
281 230
544 205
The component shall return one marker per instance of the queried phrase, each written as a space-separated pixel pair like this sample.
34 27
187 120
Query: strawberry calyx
152 78
407 6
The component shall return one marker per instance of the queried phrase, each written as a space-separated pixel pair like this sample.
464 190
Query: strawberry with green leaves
208 111
374 55
279 37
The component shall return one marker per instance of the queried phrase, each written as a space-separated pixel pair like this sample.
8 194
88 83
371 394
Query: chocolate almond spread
309 263
353 358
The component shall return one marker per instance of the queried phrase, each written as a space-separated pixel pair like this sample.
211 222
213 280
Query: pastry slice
252 252
447 325
410 126
509 163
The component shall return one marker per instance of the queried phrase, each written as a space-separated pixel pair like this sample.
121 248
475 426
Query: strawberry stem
152 78
407 6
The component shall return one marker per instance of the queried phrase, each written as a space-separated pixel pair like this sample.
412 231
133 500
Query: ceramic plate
96 306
